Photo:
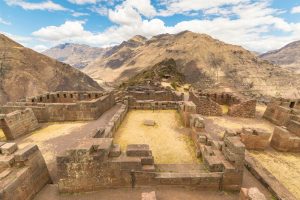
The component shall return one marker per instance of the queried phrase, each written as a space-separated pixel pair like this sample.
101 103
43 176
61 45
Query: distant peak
138 38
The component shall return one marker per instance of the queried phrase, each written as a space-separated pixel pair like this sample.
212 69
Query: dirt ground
168 139
2 136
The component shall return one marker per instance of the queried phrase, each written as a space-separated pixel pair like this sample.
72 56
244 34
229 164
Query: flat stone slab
138 150
149 195
149 123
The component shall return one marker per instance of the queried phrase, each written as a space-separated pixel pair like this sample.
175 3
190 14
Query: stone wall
186 111
279 111
225 157
57 112
152 105
65 96
255 139
18 123
205 106
23 173
210 104
284 140
160 95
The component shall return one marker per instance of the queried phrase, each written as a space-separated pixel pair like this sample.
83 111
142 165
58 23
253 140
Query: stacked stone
153 105
255 139
18 123
246 109
24 168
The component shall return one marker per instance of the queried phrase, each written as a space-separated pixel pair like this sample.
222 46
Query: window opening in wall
41 99
57 95
48 97
292 104
65 95
89 95
71 95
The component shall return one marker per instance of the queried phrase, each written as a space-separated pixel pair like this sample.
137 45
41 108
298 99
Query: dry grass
284 166
2 136
168 139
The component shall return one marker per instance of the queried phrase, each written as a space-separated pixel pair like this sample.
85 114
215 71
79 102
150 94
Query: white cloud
101 10
81 2
183 6
45 5
295 10
3 21
40 48
68 30
79 14
248 24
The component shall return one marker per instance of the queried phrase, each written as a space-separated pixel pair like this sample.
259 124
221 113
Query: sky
257 25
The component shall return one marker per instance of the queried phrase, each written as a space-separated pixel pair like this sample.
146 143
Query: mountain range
24 72
287 56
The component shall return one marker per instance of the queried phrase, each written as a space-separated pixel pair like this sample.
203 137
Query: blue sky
258 25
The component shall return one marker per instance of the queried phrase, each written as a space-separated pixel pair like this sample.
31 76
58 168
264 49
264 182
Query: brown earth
24 72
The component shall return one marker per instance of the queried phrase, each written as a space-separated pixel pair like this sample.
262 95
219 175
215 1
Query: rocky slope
24 72
76 55
287 57
202 59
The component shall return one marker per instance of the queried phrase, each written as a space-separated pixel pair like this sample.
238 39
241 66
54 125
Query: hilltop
24 72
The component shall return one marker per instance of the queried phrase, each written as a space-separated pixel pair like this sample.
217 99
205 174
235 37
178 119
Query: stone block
115 151
149 123
138 150
24 153
8 148
149 196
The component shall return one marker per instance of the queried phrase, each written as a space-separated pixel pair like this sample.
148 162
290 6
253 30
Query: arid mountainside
24 72
76 55
202 59
287 57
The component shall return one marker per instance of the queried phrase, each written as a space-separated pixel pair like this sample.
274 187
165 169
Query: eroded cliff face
24 72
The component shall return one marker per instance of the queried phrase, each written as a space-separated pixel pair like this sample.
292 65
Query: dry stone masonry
23 172
18 123
210 104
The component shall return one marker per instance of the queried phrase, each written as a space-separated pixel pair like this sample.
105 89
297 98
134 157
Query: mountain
287 57
24 72
76 55
203 61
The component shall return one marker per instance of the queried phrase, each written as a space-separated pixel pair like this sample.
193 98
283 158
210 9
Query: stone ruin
255 139
18 123
285 113
23 172
251 194
64 106
210 104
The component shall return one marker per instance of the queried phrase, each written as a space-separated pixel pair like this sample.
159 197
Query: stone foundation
284 140
23 173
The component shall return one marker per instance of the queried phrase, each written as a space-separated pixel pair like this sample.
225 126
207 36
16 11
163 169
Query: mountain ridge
24 72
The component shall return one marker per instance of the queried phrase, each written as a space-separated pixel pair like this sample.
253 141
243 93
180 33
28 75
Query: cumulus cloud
68 30
39 48
79 14
3 21
45 5
295 10
246 23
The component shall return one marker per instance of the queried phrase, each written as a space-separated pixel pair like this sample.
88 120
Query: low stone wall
18 123
161 95
245 109
57 112
210 104
23 173
205 106
152 105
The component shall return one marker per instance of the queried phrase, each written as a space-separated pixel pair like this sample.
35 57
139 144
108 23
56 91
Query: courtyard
169 141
